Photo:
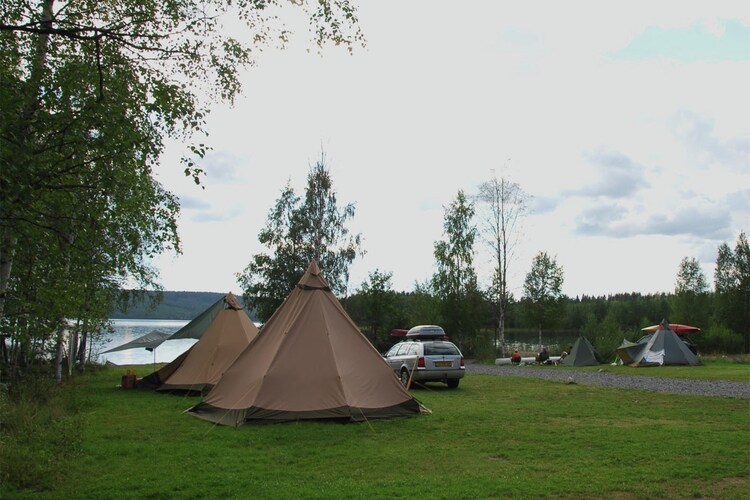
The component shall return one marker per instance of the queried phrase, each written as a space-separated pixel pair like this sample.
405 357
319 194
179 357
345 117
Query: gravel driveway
716 388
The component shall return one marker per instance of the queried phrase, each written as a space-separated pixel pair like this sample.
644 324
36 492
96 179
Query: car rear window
440 349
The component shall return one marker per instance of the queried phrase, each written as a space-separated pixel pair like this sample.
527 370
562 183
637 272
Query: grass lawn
494 437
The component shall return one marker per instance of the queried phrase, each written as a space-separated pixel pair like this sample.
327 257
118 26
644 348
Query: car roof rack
426 332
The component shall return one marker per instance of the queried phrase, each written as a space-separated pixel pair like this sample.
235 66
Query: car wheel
452 382
404 377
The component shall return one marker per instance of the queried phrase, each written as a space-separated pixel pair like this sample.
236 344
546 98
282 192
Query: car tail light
462 362
420 362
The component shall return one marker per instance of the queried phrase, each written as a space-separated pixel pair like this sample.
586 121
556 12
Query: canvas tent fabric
582 354
627 351
195 328
201 366
664 347
310 361
149 341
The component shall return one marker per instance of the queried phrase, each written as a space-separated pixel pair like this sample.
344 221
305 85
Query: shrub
605 336
40 429
719 339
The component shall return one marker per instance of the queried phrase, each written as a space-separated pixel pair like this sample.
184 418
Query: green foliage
732 284
455 281
378 303
543 301
297 232
605 320
689 304
41 430
690 277
720 339
422 305
90 92
481 347
606 335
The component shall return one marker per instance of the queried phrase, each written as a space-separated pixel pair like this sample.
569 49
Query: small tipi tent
664 347
310 361
582 354
201 366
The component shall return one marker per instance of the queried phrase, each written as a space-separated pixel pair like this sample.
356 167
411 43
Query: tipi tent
201 366
310 361
582 354
664 347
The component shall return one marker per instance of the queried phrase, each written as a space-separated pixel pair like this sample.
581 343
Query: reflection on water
126 330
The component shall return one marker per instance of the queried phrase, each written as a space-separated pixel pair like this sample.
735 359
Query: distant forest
605 321
173 305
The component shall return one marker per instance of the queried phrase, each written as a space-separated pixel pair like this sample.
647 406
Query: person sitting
542 356
515 358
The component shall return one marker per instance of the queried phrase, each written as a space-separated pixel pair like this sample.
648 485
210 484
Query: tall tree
502 205
297 231
455 281
732 284
378 304
89 93
543 300
690 304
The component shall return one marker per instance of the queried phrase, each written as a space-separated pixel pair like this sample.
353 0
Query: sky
627 123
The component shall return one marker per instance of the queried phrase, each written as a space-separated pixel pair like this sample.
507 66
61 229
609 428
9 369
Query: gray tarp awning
148 341
195 329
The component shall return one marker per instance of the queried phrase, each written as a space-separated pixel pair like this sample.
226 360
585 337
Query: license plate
443 363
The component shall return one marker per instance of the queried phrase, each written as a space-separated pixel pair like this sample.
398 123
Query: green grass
494 437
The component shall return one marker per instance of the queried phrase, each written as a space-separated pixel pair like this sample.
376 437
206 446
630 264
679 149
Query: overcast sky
628 124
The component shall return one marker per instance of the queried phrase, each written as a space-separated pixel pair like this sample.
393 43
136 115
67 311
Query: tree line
477 318
721 312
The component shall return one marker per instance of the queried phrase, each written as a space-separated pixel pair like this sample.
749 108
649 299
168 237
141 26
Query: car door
391 357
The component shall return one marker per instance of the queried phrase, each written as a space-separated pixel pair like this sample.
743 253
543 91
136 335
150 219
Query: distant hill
175 305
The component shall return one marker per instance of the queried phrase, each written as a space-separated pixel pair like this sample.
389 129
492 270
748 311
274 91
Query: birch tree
502 204
90 93
297 231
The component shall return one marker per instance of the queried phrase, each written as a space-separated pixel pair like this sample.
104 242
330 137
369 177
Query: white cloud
632 164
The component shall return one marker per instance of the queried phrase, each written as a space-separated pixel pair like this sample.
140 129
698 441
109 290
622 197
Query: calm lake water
126 330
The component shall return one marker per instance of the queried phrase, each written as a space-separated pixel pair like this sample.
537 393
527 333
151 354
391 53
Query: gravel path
718 388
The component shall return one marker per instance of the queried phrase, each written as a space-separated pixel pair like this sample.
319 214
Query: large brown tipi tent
201 366
310 361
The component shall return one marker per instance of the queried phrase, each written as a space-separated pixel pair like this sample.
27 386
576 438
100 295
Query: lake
126 330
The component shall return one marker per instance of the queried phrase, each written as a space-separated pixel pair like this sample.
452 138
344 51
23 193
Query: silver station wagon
426 356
